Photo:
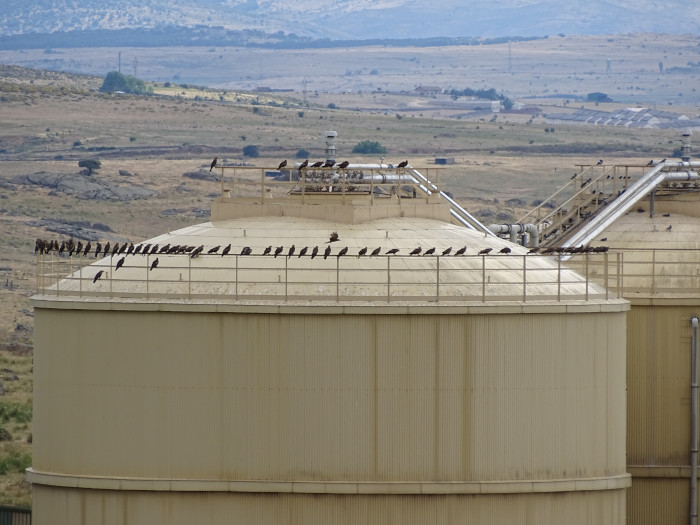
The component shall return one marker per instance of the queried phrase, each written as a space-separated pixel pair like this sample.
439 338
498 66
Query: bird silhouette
98 275
154 249
670 227
267 250
485 251
303 251
278 250
115 249
123 248
304 164
600 162
327 252
343 164
213 250
534 250
247 250
650 163
213 163
291 251
130 249
393 251
334 237
447 251
329 164
282 164
662 160
342 252
362 252
138 249
199 249
574 176
120 263
317 164
416 251
505 249
226 250
314 252
375 251
429 252
403 164
98 249
154 264
461 251
87 249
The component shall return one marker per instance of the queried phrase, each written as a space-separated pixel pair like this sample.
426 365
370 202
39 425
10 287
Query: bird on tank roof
334 237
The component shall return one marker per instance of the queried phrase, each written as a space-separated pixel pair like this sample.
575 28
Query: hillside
356 19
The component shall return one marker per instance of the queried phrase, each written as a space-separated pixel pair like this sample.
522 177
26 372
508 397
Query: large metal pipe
693 518
518 229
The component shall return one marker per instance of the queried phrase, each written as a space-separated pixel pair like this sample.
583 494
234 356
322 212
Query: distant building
428 91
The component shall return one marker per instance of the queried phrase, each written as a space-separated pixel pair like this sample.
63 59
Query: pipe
693 518
518 229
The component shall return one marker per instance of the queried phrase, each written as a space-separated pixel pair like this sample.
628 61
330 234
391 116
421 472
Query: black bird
670 227
154 249
267 250
650 163
146 249
317 164
214 249
164 249
342 252
282 164
173 249
429 252
600 162
393 251
505 249
247 250
314 252
226 250
199 249
98 275
375 251
329 164
343 164
334 237
403 164
130 250
534 250
138 249
115 249
278 250
447 251
123 248
304 164
291 251
120 263
154 264
362 252
213 163
327 252
416 251
62 248
87 249
667 214
662 161
604 239
485 251
98 249
574 176
303 251
79 248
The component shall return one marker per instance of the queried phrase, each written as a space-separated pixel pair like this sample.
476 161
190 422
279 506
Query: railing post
286 279
147 274
437 280
189 276
236 277
483 278
388 278
653 270
559 278
605 279
337 279
587 276
524 278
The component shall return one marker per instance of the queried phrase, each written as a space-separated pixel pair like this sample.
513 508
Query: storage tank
389 388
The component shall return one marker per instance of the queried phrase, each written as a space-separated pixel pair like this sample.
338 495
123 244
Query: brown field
503 162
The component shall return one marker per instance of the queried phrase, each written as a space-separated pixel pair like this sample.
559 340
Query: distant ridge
353 19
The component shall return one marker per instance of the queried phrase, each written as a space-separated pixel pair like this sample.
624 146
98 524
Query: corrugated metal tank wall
176 407
658 413
329 397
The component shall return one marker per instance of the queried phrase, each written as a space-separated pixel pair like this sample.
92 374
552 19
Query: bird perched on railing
485 251
120 263
402 164
314 252
197 251
376 251
447 251
303 251
304 164
342 252
291 251
278 250
327 252
505 250
343 165
154 264
461 251
213 163
317 164
213 250
416 251
282 164
393 251
429 252
226 250
98 275
267 250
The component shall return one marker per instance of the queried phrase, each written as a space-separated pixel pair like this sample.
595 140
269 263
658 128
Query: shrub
369 147
251 150
302 154
5 434
90 165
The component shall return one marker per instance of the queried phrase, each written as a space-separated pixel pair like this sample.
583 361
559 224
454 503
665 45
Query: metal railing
469 278
15 515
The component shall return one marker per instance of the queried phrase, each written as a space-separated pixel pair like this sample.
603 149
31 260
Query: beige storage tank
347 389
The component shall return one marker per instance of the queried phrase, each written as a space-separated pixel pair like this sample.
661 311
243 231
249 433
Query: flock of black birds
318 164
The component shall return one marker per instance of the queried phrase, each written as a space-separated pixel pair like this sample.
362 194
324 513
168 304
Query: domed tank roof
394 258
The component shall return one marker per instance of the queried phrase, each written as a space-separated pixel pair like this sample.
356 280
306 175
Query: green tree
115 81
89 165
369 147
